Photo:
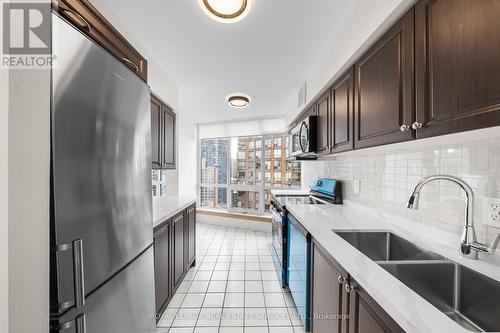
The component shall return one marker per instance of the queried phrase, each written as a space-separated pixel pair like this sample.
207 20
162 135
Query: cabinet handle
416 125
404 128
341 279
65 8
133 66
349 288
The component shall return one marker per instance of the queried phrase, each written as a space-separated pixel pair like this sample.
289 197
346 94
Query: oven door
277 224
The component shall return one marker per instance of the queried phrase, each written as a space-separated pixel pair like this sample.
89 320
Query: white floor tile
203 275
234 300
224 258
253 286
220 275
267 266
193 301
216 286
254 300
184 286
186 318
237 266
252 266
269 275
255 317
207 266
235 286
214 300
231 329
251 258
176 300
278 317
271 286
210 259
181 330
262 329
232 317
198 287
236 275
288 329
167 318
209 317
207 329
274 300
253 275
222 266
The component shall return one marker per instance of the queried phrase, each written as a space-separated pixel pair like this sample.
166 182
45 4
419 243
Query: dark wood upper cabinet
156 137
457 45
323 125
327 293
162 135
366 315
169 137
384 88
85 17
342 137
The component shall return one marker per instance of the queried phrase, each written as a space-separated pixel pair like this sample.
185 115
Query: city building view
239 173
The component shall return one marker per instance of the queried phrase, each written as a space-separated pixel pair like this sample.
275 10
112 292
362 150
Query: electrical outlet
357 187
491 212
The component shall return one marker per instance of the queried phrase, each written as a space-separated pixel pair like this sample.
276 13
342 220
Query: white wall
188 159
4 193
365 23
29 174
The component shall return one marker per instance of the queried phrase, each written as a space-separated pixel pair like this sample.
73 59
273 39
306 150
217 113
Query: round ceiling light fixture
238 100
226 11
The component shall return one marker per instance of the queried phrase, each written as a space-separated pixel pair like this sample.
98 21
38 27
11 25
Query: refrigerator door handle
78 277
79 323
78 273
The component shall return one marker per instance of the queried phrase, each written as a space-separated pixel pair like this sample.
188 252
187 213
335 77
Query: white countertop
408 309
168 206
299 191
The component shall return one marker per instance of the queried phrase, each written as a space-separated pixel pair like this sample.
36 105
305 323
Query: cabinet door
457 52
169 137
156 133
85 17
366 316
384 88
192 233
327 294
162 268
178 249
323 125
342 113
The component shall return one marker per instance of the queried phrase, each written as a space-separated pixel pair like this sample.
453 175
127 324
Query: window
238 173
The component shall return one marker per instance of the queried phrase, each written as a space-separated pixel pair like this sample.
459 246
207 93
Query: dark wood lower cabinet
162 267
366 316
339 304
174 254
178 249
328 295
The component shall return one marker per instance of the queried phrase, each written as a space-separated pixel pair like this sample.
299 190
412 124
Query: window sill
248 217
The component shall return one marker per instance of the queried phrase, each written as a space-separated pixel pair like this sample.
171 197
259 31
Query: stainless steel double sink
469 298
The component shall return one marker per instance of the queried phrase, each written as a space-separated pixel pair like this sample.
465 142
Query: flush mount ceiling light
238 100
226 11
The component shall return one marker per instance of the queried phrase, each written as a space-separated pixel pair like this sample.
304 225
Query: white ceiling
267 55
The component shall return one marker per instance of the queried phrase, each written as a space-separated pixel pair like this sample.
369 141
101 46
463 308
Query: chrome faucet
469 247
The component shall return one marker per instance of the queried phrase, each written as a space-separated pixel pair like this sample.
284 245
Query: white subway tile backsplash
388 174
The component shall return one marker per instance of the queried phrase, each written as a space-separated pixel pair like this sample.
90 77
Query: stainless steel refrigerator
101 211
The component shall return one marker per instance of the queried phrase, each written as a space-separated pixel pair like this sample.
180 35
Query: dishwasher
299 269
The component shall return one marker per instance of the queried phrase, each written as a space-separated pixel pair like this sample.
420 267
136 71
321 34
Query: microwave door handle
300 137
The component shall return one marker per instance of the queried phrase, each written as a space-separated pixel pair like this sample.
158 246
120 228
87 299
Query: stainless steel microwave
303 140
